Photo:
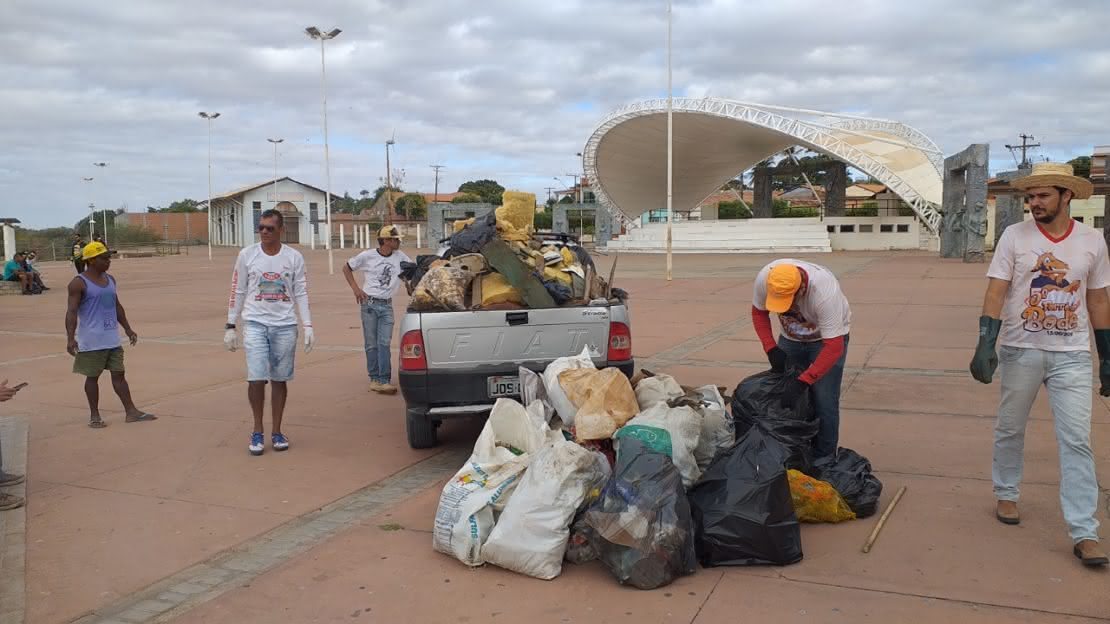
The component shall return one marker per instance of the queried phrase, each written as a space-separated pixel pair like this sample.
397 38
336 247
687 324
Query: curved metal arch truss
716 139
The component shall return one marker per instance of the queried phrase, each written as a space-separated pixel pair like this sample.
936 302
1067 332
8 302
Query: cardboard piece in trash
502 259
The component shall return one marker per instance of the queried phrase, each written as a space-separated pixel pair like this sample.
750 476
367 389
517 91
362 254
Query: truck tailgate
463 340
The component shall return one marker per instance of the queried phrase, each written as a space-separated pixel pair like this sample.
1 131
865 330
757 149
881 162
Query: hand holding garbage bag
758 400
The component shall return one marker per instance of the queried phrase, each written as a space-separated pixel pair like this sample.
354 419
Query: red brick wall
177 226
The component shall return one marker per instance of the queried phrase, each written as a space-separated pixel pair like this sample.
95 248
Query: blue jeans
377 332
270 351
1068 377
825 393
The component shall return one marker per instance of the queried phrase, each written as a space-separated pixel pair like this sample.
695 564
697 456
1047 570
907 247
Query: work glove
309 340
1102 342
231 340
777 358
985 361
793 390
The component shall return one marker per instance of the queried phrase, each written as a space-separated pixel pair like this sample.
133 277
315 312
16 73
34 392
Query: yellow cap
93 250
783 282
390 231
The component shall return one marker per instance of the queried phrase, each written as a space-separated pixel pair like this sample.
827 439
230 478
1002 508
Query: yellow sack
496 289
518 208
460 224
555 273
817 501
604 398
569 258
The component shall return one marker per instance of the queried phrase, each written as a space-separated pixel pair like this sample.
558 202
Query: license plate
503 386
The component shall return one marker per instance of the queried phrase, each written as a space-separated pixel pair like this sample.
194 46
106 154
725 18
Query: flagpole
670 144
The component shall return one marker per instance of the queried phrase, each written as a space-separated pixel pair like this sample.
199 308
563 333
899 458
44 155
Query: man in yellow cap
1048 281
93 318
381 269
815 319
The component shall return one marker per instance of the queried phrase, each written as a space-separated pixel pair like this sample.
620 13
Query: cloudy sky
500 89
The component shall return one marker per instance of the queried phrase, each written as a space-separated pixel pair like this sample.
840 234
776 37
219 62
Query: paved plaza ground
174 521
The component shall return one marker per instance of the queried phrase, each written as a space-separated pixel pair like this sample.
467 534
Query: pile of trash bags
644 475
499 262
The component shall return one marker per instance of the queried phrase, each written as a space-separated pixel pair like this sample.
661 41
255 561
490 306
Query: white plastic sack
657 389
555 394
532 389
531 534
717 430
670 430
465 516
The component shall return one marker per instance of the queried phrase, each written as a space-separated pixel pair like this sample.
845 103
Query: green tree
467 198
378 192
733 210
488 190
1082 166
182 205
545 218
411 205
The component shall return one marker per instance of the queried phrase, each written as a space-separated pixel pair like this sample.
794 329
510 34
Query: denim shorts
270 351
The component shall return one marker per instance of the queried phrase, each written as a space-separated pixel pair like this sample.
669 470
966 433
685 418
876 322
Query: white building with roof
235 214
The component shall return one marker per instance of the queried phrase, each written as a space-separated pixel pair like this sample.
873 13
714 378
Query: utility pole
1024 147
549 189
388 186
435 192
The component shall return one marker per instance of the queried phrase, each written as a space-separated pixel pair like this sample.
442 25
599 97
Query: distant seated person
15 272
29 266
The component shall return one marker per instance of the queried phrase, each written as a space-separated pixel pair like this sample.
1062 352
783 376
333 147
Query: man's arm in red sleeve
761 320
831 350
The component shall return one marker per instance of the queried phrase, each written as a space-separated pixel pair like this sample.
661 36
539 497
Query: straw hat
1055 174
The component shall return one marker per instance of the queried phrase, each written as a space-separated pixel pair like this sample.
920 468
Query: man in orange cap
815 321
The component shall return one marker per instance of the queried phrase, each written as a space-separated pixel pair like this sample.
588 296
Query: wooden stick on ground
882 520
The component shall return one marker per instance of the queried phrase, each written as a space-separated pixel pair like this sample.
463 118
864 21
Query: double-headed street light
103 211
315 33
92 215
208 117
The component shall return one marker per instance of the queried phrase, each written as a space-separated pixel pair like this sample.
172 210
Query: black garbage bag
757 400
850 473
473 237
559 292
644 532
742 507
582 545
414 272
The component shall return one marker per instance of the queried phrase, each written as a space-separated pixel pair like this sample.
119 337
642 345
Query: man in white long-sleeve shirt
268 281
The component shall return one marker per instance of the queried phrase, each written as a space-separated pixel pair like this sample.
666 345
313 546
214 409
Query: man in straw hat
381 269
1048 281
815 321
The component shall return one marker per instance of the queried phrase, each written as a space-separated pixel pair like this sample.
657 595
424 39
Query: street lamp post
670 144
388 185
103 211
208 117
315 33
275 142
92 215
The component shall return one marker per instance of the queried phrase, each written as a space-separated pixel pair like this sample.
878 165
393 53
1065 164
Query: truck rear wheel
420 428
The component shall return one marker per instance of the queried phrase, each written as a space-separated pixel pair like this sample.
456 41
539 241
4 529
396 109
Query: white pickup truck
459 363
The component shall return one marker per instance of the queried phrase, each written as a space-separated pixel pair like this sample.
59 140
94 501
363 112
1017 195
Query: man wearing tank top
1047 287
93 318
269 288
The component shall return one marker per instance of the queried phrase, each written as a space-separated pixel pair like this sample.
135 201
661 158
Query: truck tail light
620 342
412 351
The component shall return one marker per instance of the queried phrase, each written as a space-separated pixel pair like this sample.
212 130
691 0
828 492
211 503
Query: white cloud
500 89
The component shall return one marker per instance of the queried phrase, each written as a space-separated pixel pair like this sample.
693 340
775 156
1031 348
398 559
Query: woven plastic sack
604 399
443 288
657 389
817 501
564 407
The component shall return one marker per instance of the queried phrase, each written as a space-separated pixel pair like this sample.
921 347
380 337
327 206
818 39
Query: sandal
97 424
143 417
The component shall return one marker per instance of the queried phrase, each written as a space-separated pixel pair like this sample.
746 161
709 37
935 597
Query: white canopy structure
717 139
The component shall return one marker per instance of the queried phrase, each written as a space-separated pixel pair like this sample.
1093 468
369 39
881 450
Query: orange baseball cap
783 282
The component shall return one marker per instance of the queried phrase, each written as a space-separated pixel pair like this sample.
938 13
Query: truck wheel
421 430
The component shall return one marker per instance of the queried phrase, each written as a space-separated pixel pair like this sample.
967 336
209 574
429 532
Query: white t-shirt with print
266 288
1046 306
819 312
381 274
